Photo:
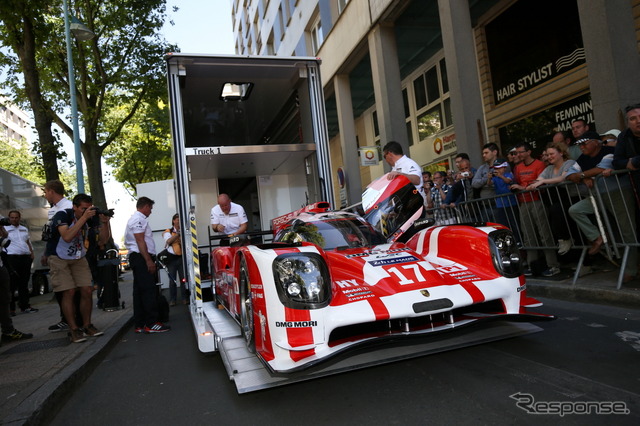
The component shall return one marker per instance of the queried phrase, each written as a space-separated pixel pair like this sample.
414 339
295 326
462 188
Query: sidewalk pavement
37 375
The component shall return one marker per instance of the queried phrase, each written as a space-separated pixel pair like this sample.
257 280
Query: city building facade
14 123
447 76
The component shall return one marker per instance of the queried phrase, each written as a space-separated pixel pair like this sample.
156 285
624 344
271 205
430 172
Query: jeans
174 269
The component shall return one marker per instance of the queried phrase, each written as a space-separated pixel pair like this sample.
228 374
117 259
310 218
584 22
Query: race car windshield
331 234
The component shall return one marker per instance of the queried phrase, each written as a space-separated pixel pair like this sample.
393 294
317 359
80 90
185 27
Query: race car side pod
196 261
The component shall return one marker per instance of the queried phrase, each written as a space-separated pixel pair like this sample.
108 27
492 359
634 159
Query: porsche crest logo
425 293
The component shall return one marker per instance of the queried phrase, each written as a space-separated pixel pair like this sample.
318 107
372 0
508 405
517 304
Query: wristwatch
582 175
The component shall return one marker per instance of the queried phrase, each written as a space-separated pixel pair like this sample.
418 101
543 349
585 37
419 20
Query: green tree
118 69
23 25
144 145
18 159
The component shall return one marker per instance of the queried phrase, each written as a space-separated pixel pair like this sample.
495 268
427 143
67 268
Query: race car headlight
505 253
302 280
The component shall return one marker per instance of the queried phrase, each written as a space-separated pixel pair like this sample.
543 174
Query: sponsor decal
347 283
522 288
392 260
296 324
358 293
450 269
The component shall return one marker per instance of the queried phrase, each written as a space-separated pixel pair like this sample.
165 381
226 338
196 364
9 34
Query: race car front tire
246 306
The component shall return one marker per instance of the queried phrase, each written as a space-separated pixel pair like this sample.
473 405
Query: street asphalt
39 374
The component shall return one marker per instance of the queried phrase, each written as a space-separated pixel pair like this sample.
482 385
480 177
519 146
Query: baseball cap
612 132
587 136
499 163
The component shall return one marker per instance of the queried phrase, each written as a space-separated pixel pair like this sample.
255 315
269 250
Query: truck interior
249 129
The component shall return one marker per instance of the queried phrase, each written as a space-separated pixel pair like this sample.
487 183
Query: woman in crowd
558 199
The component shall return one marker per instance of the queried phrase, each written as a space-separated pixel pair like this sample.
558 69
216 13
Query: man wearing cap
583 172
597 159
506 203
513 158
610 137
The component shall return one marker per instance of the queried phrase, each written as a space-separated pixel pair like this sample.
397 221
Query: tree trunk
92 154
26 49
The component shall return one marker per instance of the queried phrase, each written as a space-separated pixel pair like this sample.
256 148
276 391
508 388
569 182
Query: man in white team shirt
228 218
138 239
401 165
54 194
19 259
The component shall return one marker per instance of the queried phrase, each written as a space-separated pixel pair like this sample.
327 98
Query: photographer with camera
70 271
9 333
19 260
461 190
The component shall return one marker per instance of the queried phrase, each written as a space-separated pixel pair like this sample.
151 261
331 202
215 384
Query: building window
316 35
281 22
429 122
405 101
431 107
270 48
341 5
443 76
419 93
433 91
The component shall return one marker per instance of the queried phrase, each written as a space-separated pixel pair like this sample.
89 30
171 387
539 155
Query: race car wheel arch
246 305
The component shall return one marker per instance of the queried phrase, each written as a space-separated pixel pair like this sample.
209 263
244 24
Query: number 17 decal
412 271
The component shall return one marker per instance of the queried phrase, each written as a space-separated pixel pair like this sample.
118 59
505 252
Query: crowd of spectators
549 200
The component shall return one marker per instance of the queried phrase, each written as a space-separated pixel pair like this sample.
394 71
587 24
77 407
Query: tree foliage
18 158
144 145
24 24
119 70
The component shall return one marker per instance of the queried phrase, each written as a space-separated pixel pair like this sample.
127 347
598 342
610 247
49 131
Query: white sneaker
551 272
564 246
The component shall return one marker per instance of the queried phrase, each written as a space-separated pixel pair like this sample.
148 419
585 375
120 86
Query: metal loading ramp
250 375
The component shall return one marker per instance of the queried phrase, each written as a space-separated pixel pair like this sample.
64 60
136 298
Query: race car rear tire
246 307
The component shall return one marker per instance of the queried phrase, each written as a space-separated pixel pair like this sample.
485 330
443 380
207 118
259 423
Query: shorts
69 273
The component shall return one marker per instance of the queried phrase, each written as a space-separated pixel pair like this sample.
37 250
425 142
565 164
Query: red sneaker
157 328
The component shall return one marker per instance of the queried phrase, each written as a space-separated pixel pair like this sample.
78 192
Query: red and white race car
334 280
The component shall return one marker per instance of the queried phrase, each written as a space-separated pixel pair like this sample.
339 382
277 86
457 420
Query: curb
44 403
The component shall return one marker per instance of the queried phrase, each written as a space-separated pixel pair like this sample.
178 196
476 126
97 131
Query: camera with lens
465 174
106 212
4 221
4 242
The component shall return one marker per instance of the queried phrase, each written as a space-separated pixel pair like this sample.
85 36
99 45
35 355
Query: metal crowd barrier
610 204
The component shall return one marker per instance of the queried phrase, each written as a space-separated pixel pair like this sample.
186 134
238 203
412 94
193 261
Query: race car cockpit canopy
330 231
